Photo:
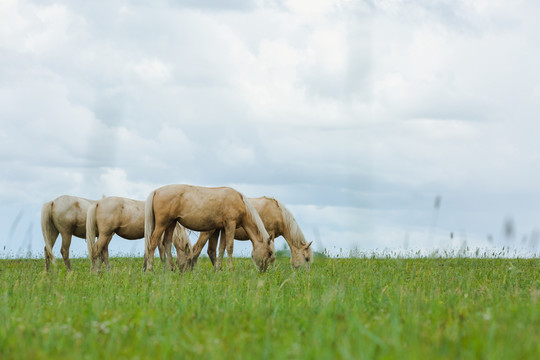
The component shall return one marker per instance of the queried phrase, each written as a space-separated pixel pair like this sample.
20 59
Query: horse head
264 254
302 256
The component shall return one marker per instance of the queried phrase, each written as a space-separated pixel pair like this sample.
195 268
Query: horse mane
253 215
291 229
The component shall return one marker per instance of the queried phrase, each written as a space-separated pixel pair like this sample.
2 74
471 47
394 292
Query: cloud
345 110
152 70
216 5
114 181
235 155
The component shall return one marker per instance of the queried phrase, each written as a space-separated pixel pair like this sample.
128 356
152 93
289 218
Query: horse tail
91 228
149 221
291 229
48 229
254 216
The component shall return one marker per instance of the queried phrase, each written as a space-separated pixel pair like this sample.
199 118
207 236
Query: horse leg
47 258
212 245
167 245
162 252
222 245
101 259
105 255
100 247
228 237
155 239
197 248
66 243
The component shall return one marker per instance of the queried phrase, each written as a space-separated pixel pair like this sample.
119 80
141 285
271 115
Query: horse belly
132 232
198 224
241 234
127 219
80 232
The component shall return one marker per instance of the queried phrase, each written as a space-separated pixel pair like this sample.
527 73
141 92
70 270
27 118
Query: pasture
342 308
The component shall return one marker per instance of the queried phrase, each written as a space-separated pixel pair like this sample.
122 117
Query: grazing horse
278 221
65 215
125 218
204 209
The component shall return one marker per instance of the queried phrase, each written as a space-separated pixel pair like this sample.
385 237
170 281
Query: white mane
292 230
254 215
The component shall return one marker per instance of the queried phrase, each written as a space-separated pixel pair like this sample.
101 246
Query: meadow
351 308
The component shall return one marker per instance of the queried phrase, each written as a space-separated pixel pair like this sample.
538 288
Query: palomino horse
65 215
204 209
278 221
125 217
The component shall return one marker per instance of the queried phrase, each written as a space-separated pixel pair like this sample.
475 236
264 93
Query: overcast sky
398 125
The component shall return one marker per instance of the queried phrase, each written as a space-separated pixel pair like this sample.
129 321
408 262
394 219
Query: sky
383 125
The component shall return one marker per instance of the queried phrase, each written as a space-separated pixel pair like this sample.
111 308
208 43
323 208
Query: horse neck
253 223
295 239
253 232
291 231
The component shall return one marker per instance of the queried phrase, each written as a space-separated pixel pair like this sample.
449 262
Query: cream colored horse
65 215
204 209
278 221
125 218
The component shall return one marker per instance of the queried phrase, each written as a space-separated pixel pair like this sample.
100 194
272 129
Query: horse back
122 216
270 214
198 208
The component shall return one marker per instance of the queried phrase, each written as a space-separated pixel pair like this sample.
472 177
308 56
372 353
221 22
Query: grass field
342 308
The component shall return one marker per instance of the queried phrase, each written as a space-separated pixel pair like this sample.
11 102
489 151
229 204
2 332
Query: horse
125 218
278 221
65 215
204 209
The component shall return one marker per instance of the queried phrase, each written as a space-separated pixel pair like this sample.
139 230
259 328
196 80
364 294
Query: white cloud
346 110
328 47
175 144
153 70
234 154
313 7
115 182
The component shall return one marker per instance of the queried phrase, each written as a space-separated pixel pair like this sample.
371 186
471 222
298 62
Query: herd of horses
162 221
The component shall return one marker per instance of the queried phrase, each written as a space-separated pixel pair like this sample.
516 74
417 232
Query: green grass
342 308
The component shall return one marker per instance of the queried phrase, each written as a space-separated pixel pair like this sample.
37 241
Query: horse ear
308 245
